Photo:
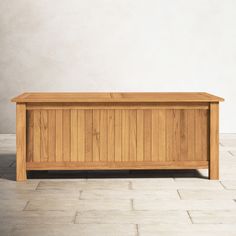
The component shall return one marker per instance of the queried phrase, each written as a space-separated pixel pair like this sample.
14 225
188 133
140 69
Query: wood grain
59 135
111 135
118 135
30 136
96 135
140 136
88 135
118 97
81 135
103 135
74 135
125 135
116 165
119 131
66 138
214 141
21 142
37 136
44 135
52 135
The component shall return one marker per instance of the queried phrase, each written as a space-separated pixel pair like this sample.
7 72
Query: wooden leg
214 141
20 142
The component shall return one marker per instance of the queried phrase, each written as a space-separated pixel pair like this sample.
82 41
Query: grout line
230 153
80 194
179 194
190 217
222 185
132 204
137 229
27 203
73 221
37 185
130 186
11 164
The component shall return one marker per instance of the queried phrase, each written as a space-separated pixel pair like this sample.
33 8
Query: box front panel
117 135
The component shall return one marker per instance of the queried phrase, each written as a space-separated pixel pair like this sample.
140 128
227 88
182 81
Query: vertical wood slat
155 135
88 135
140 136
201 135
191 135
111 136
118 134
162 135
125 135
184 134
147 129
103 135
205 135
52 135
96 135
214 141
21 142
198 148
74 135
59 135
176 135
37 136
169 135
44 135
66 124
81 135
133 135
30 136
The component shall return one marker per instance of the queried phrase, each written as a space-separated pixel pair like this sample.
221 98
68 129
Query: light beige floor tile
6 229
108 184
109 200
213 217
227 136
152 180
83 185
12 205
37 217
130 194
78 205
184 205
178 185
189 230
233 153
24 194
132 217
183 233
228 142
27 185
60 185
207 194
5 161
227 176
229 184
76 230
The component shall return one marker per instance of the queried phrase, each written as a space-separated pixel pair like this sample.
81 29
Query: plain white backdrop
118 45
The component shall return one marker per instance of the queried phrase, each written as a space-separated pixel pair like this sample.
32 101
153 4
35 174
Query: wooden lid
117 97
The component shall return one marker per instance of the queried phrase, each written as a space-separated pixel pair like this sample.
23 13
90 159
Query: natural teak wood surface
66 131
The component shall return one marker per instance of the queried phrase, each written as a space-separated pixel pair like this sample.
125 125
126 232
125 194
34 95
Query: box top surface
117 97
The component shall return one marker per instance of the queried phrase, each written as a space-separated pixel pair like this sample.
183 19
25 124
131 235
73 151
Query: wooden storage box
94 131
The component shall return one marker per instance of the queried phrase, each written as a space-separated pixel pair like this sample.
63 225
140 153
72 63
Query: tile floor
100 203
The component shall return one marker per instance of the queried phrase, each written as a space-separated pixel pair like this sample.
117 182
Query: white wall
118 45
